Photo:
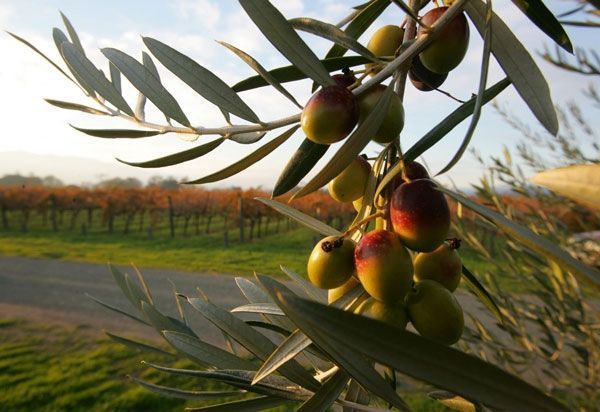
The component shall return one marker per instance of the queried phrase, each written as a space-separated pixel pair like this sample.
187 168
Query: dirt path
52 291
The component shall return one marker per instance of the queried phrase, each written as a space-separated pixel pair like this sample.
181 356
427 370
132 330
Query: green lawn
55 368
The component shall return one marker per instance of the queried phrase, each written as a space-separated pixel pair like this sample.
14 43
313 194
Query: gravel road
53 292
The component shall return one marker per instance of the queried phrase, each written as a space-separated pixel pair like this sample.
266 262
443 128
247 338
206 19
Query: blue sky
31 126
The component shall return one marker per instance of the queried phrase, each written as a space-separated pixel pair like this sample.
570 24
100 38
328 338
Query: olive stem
410 32
361 222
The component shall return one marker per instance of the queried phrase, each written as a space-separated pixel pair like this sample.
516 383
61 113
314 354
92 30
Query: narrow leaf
539 14
272 386
353 362
360 24
145 81
264 73
59 38
139 345
327 395
205 353
531 240
483 295
262 308
518 65
200 79
311 290
352 147
289 349
76 106
246 138
94 77
485 64
126 286
118 133
247 161
179 157
181 394
441 130
149 64
252 292
426 360
303 160
333 33
35 49
246 405
162 322
580 183
278 31
292 73
254 341
115 309
115 76
308 221
72 33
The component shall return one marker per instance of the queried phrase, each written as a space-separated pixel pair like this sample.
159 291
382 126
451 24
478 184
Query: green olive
392 123
384 43
331 262
393 314
435 313
350 185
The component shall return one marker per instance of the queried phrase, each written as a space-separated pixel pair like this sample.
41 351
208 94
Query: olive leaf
483 295
115 76
59 38
292 73
485 64
76 106
411 354
264 73
306 220
302 161
80 64
278 31
179 157
35 49
182 394
118 133
327 395
518 65
201 80
144 347
333 33
539 14
146 82
247 161
359 24
205 353
117 310
72 33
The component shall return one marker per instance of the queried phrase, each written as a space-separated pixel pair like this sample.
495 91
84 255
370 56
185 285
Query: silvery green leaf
200 79
205 353
280 33
179 157
139 345
147 83
308 221
76 106
518 65
247 161
94 77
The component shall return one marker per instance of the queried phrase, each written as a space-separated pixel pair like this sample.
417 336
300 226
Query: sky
36 137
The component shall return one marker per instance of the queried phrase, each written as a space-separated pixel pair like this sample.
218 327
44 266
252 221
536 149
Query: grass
50 368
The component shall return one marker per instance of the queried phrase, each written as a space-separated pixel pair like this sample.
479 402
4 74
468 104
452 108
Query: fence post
53 212
171 216
241 217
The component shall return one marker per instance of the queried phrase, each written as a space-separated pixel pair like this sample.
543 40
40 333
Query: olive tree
345 348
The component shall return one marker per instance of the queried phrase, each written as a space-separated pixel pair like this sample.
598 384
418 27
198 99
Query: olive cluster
409 268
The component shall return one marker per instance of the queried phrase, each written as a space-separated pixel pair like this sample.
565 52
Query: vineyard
155 212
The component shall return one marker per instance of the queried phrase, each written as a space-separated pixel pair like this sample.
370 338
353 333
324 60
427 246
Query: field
49 368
